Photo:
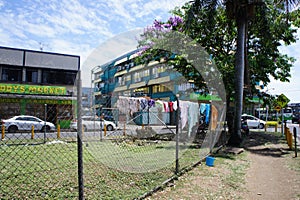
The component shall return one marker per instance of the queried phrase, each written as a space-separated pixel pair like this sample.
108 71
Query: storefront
38 83
35 100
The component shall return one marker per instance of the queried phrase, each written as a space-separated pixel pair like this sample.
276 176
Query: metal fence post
295 138
177 136
79 137
45 119
2 131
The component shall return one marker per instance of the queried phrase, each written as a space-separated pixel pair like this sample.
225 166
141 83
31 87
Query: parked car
25 123
245 129
253 122
90 123
296 119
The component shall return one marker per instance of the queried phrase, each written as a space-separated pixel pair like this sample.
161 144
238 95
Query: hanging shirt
151 103
166 107
143 103
207 113
174 105
171 106
202 108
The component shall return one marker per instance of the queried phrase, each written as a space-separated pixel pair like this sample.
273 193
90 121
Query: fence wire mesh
141 151
127 152
38 149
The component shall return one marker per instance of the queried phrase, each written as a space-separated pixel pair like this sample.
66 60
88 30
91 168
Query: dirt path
266 170
270 175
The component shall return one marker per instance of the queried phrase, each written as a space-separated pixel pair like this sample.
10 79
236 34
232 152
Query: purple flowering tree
157 31
182 55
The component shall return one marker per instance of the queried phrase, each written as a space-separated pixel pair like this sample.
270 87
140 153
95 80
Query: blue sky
97 31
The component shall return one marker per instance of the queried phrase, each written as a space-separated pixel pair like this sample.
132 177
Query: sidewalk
266 169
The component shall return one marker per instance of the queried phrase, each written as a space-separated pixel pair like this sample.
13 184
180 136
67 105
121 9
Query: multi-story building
32 80
125 77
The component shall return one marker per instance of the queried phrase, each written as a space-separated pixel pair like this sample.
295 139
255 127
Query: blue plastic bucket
210 161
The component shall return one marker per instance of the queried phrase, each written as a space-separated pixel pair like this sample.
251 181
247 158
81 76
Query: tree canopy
268 26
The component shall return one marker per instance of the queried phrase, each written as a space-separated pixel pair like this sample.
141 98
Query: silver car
253 122
25 123
90 123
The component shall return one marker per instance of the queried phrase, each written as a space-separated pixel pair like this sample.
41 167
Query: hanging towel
193 116
143 103
166 107
183 112
202 108
207 113
175 105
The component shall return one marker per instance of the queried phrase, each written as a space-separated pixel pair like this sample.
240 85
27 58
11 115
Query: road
129 131
54 135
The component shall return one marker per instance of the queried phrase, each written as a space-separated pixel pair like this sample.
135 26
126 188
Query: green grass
112 170
223 181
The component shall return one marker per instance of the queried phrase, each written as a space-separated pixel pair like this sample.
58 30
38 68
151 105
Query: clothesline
190 112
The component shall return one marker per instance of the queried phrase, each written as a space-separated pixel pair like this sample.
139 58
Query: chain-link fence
38 149
120 152
150 146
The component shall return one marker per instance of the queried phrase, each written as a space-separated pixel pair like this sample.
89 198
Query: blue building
123 76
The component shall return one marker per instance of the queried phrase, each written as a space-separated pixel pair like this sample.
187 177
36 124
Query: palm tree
240 11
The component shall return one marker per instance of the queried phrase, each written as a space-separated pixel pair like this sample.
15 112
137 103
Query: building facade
125 77
34 82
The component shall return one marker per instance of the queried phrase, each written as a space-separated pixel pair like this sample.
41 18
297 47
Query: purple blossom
176 20
158 25
168 26
157 30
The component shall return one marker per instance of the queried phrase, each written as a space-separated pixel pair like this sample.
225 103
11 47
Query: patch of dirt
264 169
270 175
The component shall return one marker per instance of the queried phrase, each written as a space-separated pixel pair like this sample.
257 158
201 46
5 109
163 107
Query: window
58 77
159 69
12 74
128 78
121 80
32 75
141 92
160 88
155 72
139 75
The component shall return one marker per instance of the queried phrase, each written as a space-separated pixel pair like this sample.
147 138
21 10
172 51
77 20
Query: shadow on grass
265 143
222 154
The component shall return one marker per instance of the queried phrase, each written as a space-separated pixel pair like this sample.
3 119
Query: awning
137 68
120 61
133 56
152 63
120 73
159 80
121 88
137 85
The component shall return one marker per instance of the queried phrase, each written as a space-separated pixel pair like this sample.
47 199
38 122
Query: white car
253 122
91 123
25 123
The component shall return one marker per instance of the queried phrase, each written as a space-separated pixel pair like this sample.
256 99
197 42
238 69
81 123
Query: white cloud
89 21
1 3
290 89
107 51
89 29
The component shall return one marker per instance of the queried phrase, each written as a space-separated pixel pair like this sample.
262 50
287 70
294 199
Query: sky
99 31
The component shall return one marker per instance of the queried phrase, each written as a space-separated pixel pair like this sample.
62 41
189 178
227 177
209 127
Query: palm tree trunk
241 19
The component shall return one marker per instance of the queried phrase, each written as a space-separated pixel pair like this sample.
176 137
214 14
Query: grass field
112 169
